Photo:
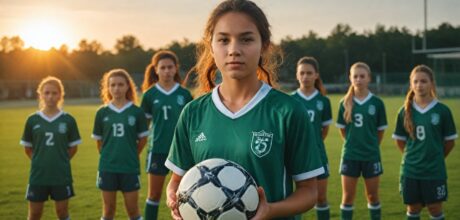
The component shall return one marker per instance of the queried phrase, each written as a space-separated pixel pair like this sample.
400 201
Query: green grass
86 204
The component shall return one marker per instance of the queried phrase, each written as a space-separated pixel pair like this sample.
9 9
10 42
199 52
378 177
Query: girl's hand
263 210
171 197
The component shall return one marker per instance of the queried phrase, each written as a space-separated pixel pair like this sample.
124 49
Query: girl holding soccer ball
50 139
425 133
120 130
244 119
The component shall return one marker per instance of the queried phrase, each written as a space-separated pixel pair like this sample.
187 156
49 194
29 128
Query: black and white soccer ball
217 189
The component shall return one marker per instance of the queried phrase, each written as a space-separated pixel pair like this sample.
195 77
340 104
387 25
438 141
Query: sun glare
43 34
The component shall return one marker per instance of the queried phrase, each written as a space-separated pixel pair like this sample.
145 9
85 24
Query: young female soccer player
425 133
50 139
120 129
244 119
362 121
163 101
312 94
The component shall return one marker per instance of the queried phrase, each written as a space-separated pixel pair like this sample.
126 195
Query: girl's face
359 78
50 95
421 84
306 75
166 70
236 46
118 87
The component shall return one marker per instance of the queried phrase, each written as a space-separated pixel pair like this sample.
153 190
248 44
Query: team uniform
423 169
320 115
268 137
164 108
360 152
50 139
119 130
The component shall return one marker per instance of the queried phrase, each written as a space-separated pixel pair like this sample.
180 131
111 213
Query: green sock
322 212
438 217
412 216
151 210
375 211
346 212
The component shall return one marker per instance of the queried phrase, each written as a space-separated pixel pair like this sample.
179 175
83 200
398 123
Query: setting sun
43 34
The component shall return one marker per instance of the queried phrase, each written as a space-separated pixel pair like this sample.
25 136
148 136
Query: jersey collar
308 98
174 88
364 100
120 110
427 108
263 91
41 114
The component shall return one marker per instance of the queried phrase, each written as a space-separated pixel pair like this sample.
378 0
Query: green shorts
125 182
356 168
325 175
156 164
37 193
415 191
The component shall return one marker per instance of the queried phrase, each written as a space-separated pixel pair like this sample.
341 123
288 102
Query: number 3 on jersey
118 130
358 120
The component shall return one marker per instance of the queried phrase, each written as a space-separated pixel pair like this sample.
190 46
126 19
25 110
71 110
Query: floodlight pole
425 20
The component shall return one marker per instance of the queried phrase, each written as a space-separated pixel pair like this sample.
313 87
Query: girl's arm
448 145
342 133
29 152
324 131
303 199
171 198
401 145
99 145
380 135
140 144
72 151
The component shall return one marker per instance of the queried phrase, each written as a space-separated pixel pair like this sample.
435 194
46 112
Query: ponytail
408 124
348 104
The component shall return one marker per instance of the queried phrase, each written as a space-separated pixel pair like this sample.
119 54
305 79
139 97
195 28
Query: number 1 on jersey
165 111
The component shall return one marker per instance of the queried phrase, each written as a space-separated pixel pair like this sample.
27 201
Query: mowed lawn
14 169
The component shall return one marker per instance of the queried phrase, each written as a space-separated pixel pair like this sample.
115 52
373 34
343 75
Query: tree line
385 49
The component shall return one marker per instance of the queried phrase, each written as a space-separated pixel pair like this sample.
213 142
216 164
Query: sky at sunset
155 23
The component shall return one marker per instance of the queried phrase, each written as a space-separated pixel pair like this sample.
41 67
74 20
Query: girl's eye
222 40
247 39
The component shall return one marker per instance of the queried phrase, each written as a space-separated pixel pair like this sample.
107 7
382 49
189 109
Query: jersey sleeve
400 132
146 105
302 154
73 134
448 127
340 120
26 139
97 128
326 117
180 157
141 125
382 123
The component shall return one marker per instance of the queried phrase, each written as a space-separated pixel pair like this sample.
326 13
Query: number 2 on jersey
49 138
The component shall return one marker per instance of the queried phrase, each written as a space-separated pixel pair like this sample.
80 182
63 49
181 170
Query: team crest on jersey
435 118
319 105
62 128
371 110
131 120
180 100
261 143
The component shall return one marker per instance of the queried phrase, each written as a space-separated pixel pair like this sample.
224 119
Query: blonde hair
408 123
131 94
348 98
151 76
52 81
206 68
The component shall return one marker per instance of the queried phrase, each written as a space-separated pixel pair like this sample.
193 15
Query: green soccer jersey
164 108
50 139
423 156
320 115
119 130
268 137
361 140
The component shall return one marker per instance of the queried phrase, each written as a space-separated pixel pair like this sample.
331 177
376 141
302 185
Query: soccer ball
217 189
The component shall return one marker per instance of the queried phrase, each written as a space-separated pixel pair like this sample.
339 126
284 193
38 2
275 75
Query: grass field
86 204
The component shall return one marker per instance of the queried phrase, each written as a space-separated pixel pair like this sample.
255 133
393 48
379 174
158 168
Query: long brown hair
131 94
151 76
52 81
314 63
206 67
348 98
408 123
